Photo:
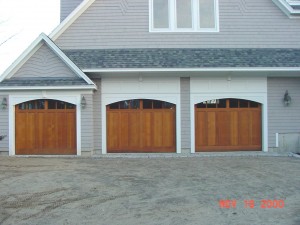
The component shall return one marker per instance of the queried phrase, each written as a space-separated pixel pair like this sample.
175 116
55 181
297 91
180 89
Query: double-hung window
184 16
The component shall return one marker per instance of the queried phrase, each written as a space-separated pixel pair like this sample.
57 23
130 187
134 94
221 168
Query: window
184 15
141 104
228 103
161 13
42 104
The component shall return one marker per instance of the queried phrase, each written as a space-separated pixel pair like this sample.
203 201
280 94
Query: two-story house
143 76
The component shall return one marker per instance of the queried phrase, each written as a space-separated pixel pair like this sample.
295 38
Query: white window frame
173 19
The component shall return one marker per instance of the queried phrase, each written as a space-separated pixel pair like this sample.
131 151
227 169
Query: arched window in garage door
141 125
228 125
45 127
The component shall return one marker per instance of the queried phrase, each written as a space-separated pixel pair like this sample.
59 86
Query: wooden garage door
45 127
228 125
141 126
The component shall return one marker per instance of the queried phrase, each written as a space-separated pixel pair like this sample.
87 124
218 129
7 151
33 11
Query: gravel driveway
113 191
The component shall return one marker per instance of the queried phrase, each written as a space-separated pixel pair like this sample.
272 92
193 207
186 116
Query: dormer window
184 16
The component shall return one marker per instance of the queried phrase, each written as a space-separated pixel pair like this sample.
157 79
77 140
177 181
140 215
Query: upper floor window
184 15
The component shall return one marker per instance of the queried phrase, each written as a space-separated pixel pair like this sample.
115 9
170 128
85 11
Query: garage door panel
228 125
223 122
134 130
30 131
25 134
244 128
124 129
113 130
168 125
256 128
147 132
62 128
211 128
157 129
40 126
50 130
71 135
234 128
201 129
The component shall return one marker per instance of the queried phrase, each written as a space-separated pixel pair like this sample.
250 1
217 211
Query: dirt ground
121 191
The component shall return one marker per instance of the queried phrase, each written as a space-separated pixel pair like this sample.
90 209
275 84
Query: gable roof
19 62
98 60
70 19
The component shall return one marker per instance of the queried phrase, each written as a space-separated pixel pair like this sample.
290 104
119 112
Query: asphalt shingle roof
184 58
42 81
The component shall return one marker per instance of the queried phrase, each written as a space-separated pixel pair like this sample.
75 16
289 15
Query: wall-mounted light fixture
83 102
4 103
287 98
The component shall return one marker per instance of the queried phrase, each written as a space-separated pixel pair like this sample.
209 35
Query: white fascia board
70 19
28 88
287 8
221 69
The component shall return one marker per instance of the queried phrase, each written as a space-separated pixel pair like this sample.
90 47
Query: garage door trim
112 98
15 99
256 97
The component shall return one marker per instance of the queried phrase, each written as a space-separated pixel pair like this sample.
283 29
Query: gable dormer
290 7
67 6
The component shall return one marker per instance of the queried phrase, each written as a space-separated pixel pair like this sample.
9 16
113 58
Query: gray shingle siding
184 58
125 24
97 113
45 63
185 113
87 125
67 6
283 119
4 144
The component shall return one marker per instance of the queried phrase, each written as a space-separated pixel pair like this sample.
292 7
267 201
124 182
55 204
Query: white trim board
35 45
221 69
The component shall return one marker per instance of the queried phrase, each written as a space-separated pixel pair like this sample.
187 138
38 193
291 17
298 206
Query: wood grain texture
45 132
141 130
228 129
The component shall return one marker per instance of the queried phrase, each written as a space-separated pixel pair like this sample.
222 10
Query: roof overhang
289 7
26 88
195 72
232 69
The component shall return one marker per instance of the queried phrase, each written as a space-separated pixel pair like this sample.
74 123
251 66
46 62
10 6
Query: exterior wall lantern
4 103
287 98
83 102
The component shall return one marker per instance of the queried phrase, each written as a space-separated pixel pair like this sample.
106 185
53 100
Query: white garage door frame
20 97
137 87
205 88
